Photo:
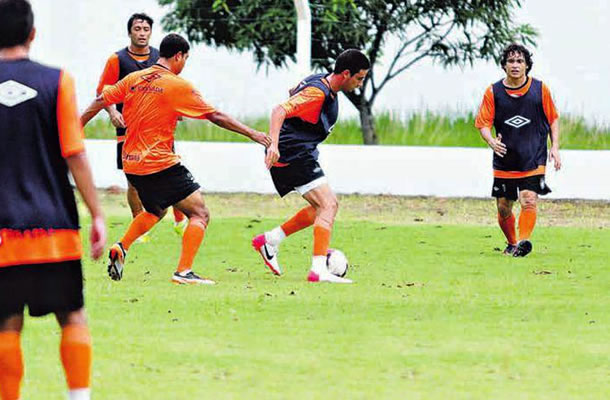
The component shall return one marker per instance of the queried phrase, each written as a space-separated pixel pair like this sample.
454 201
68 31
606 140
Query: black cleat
524 247
190 278
509 250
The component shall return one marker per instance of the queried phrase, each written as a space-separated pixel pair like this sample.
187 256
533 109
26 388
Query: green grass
435 313
417 129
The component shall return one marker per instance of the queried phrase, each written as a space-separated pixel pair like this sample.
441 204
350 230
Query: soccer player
137 56
297 127
153 100
521 110
40 247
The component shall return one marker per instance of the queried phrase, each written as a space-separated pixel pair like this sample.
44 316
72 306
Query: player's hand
117 120
273 154
497 146
262 138
97 237
554 156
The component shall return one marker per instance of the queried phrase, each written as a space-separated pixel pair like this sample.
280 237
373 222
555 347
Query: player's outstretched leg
118 251
198 216
325 203
267 244
527 221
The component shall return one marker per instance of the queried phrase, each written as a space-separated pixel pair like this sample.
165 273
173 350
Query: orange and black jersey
311 113
121 64
153 100
39 128
523 116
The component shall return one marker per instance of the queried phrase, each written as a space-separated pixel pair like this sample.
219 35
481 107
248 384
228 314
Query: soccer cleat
524 247
509 250
180 226
268 252
326 277
116 256
190 278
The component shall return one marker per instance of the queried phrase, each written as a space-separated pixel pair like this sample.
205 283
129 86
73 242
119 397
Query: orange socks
508 227
178 215
139 226
321 240
527 221
75 350
300 220
11 365
191 241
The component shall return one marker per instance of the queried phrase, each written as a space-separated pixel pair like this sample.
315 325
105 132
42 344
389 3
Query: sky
572 58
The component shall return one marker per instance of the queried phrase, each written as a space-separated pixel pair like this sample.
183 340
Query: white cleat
268 252
326 277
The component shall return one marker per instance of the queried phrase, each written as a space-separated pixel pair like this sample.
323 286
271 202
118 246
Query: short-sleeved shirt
153 101
111 72
40 224
487 113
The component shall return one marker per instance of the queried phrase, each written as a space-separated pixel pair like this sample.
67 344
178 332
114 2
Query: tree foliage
449 32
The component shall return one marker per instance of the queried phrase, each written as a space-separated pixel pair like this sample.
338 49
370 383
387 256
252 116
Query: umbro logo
13 93
517 121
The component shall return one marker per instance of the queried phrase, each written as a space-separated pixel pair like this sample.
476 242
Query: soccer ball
336 262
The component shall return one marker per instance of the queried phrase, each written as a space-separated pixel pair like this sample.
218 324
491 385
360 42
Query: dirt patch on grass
394 210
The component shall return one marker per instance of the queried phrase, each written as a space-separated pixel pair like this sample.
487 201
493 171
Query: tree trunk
367 123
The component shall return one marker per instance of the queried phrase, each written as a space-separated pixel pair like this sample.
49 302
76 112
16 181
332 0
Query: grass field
436 312
418 129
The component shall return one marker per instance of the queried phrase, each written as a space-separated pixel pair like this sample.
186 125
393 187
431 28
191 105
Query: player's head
516 61
353 66
175 49
16 23
139 29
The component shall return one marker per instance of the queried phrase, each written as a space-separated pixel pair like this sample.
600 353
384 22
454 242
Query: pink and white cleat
326 277
268 252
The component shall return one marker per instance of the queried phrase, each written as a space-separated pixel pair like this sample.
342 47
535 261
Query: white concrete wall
396 170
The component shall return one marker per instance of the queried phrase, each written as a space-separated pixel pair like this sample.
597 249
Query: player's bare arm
554 152
81 171
94 108
228 122
495 143
278 115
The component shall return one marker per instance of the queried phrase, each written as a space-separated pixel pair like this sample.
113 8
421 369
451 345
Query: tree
450 32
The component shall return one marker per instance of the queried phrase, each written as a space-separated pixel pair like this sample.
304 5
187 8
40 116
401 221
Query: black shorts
510 188
44 288
119 155
298 173
164 188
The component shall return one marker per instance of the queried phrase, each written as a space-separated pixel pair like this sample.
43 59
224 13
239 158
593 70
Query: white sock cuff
79 394
275 236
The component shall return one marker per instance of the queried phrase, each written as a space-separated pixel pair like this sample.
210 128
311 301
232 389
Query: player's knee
202 215
528 204
78 317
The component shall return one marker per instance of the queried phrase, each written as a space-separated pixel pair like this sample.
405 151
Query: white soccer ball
336 262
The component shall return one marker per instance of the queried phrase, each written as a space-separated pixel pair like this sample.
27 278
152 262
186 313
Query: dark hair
517 48
141 16
353 60
173 44
16 22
